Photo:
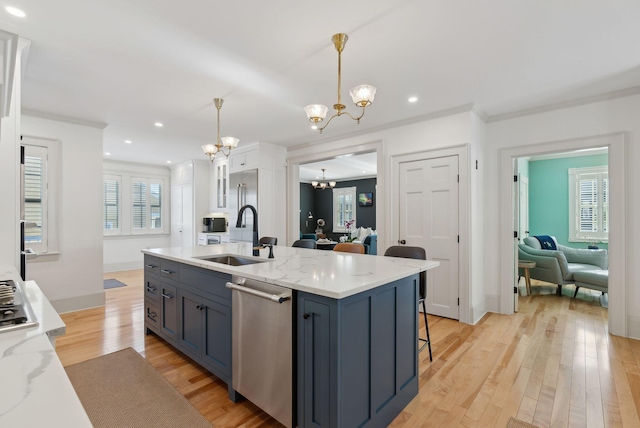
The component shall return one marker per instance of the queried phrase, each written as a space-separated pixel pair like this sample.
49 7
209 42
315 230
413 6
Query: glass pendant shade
316 112
210 149
314 183
230 142
332 184
363 95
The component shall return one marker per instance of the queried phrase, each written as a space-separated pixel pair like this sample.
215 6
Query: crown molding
67 119
430 116
634 90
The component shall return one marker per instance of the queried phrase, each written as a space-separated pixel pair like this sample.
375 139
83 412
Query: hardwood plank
553 363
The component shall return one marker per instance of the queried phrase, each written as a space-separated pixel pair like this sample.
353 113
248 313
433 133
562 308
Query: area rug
113 283
123 390
517 423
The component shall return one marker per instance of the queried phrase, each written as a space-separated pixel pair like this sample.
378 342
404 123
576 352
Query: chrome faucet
256 244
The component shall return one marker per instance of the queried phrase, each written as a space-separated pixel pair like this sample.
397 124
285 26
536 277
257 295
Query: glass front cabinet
221 183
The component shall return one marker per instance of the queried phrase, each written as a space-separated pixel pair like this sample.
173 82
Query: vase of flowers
347 225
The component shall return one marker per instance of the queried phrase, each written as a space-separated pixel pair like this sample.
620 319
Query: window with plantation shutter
146 205
344 199
112 199
589 204
41 181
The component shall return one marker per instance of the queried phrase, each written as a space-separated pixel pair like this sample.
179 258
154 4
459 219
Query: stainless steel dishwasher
262 349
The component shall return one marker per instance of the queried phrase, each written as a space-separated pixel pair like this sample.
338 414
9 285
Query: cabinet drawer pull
151 266
151 288
167 271
152 315
167 296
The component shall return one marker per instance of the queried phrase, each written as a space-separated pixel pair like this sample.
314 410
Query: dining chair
268 240
347 247
305 243
419 253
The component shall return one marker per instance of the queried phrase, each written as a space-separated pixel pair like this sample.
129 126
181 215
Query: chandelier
362 95
228 143
323 184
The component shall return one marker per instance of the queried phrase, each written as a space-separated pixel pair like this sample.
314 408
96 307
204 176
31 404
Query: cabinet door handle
151 266
305 316
167 296
151 288
167 271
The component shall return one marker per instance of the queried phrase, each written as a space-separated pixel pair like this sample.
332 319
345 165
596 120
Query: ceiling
130 63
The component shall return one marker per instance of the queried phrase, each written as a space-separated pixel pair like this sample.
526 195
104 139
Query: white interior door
523 198
428 218
182 231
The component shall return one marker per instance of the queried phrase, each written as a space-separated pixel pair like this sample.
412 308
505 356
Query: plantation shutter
139 208
111 207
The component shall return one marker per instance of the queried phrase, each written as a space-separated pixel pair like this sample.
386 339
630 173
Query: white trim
418 119
633 330
616 142
72 304
575 176
465 312
336 192
66 119
566 104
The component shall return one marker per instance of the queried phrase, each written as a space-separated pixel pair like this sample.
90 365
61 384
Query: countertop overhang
326 273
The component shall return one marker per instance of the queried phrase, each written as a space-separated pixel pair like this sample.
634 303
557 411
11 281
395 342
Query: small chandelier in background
323 184
228 143
362 95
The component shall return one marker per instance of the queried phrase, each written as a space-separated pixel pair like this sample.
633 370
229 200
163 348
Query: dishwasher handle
273 297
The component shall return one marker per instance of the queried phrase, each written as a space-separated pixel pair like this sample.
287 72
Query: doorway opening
616 144
563 196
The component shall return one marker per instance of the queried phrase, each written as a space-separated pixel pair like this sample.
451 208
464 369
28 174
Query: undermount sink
231 260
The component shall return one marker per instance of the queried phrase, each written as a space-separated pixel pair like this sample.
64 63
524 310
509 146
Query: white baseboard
78 303
492 303
633 327
478 311
116 267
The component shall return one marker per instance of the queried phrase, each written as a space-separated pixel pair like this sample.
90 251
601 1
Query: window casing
112 205
344 207
589 204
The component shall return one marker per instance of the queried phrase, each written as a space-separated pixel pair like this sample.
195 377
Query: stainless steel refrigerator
243 190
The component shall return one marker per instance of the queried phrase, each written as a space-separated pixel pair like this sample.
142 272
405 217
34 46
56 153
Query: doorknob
401 241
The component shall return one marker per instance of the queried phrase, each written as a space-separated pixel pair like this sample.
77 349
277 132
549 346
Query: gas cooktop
15 312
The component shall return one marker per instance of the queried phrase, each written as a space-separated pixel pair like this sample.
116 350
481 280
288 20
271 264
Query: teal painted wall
549 196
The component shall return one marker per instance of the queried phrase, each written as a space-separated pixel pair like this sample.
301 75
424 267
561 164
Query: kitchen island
355 324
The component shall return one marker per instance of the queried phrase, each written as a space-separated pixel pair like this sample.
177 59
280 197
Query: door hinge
515 233
476 163
458 301
515 290
458 239
515 178
458 178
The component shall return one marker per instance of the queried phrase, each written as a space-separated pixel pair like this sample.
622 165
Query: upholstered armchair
558 266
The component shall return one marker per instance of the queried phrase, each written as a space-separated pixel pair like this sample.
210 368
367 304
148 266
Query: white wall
72 279
123 252
597 118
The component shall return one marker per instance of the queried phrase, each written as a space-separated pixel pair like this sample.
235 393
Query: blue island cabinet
357 357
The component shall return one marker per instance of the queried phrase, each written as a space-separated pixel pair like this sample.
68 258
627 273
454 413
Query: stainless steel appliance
262 346
243 189
15 312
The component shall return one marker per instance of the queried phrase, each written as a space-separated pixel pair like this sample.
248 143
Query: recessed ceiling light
107 154
15 11
168 161
364 172
413 99
127 141
159 124
314 127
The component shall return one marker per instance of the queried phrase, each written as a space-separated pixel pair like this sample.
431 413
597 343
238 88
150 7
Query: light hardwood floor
551 364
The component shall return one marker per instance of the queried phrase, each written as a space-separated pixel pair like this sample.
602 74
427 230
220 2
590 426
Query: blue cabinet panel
217 345
357 357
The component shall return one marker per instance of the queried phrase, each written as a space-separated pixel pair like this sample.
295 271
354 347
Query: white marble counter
325 273
35 388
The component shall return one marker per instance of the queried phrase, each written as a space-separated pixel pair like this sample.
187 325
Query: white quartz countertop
326 273
35 388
